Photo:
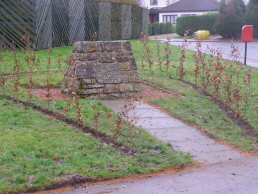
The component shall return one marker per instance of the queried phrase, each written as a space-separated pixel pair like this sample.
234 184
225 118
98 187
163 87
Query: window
153 2
169 18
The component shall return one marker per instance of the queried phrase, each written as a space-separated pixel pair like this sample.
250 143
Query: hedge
169 27
150 29
162 28
195 23
155 28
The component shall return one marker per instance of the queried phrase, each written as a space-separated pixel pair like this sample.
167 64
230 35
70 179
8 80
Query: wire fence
55 23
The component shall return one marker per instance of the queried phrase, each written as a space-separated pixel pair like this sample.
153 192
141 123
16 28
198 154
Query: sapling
167 52
16 75
3 73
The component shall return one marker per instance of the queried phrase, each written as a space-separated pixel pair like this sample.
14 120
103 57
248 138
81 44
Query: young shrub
231 18
252 15
162 28
155 28
230 26
150 29
169 27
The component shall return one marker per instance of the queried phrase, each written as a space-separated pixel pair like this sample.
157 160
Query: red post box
247 33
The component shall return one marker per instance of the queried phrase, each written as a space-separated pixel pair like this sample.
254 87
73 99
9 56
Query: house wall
159 3
178 14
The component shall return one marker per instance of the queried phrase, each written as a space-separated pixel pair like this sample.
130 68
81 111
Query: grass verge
38 151
193 107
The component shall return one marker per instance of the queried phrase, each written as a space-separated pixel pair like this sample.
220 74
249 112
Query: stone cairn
102 70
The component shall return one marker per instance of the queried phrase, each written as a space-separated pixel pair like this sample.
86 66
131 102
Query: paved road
225 48
232 177
224 170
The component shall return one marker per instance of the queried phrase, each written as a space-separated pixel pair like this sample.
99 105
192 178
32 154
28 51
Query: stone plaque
108 73
84 70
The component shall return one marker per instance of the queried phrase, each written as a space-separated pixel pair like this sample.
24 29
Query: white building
182 7
155 3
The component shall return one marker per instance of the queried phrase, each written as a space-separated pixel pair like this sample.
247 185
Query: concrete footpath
224 170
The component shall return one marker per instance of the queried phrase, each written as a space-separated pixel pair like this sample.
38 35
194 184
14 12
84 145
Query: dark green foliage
91 20
169 27
145 21
136 22
150 29
195 23
253 1
155 28
252 15
116 21
231 18
240 7
231 26
222 7
162 28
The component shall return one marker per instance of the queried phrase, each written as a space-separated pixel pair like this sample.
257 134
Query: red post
247 33
247 36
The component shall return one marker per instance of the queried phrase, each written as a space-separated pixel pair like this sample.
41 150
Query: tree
252 15
253 2
231 18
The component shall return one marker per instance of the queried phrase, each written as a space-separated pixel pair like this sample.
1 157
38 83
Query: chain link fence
54 23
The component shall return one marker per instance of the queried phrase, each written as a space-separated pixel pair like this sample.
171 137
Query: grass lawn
37 150
193 107
165 36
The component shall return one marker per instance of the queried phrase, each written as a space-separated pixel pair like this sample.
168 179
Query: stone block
69 71
106 58
70 84
124 78
109 96
113 46
125 66
84 70
133 77
126 88
64 85
91 91
93 81
71 60
112 88
91 86
92 57
83 57
122 57
86 81
108 73
137 87
76 85
91 46
127 46
78 47
101 46
133 65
